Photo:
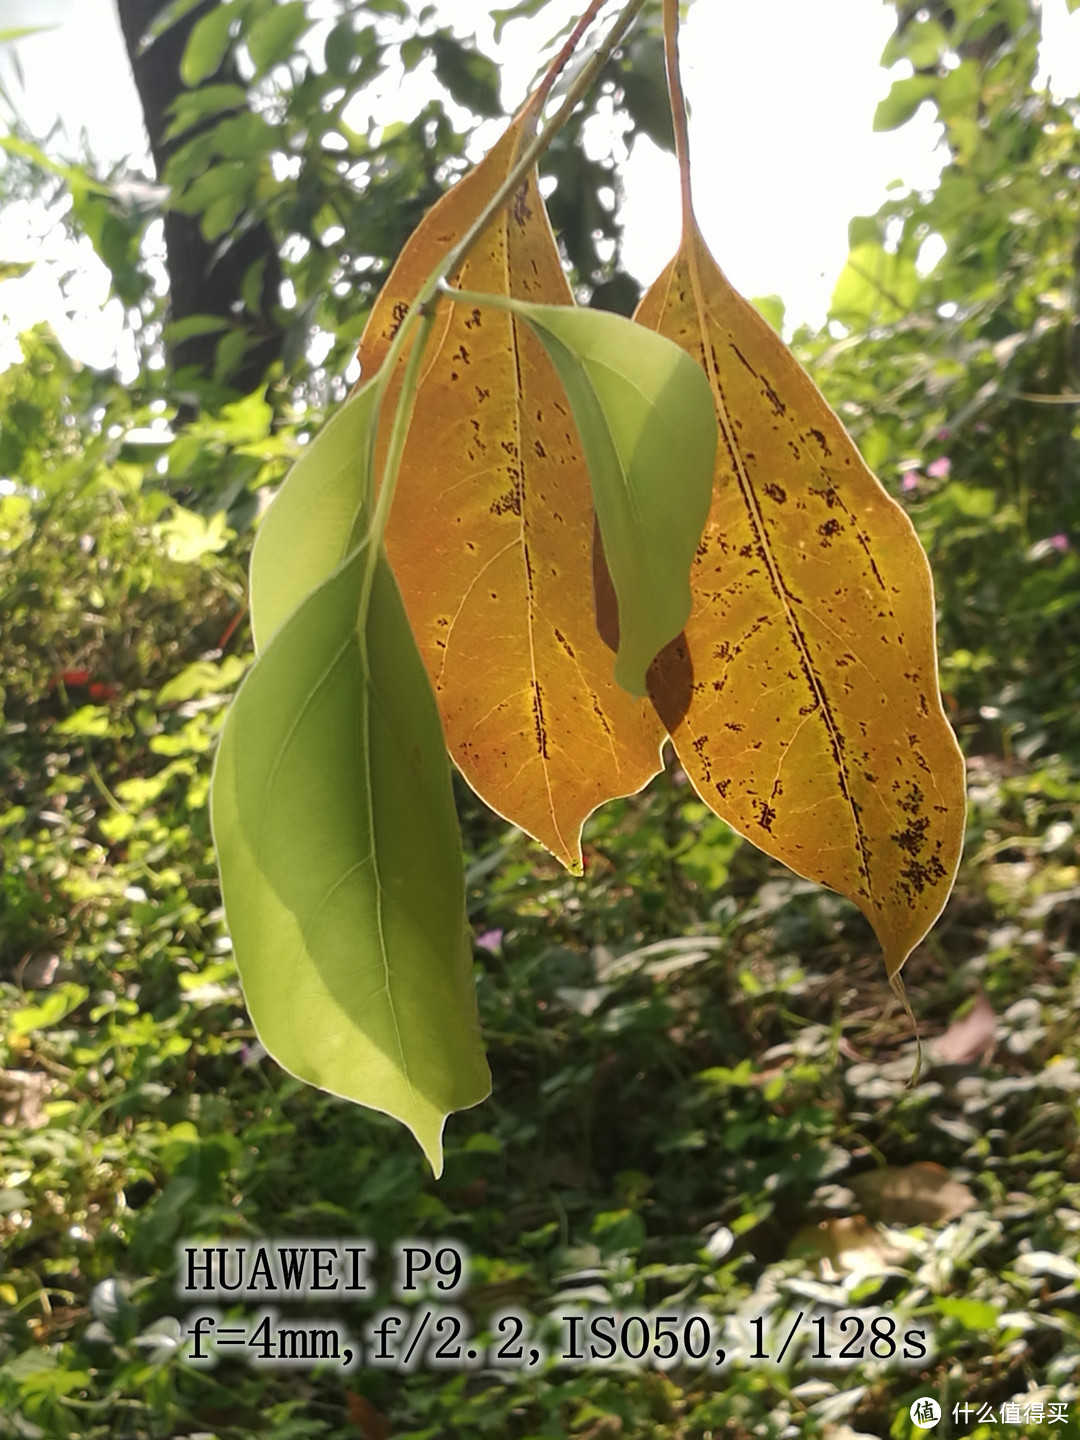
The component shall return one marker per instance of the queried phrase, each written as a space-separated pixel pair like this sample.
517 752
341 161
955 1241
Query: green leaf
921 42
200 679
958 95
643 83
191 106
15 269
20 32
307 531
471 78
206 46
273 36
253 286
89 721
340 861
188 536
166 18
973 1314
772 307
524 9
193 325
55 1007
645 417
413 51
903 100
874 284
78 180
340 48
231 180
230 349
220 215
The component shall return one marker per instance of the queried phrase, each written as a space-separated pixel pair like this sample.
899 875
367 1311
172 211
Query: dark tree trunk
205 279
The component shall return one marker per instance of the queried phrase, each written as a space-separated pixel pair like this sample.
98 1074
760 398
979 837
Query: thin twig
559 64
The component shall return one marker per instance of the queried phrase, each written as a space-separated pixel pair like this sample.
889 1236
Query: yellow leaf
491 531
802 698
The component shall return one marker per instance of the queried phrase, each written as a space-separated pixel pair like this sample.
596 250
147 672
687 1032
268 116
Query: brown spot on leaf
670 682
509 502
538 719
913 837
397 315
521 211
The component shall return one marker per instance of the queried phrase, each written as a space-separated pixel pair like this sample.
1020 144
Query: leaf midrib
776 577
357 636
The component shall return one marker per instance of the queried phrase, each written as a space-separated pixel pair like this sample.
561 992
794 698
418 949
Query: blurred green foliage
695 1065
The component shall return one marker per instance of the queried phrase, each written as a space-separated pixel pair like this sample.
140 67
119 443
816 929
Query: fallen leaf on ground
22 1098
848 1244
968 1038
919 1194
372 1423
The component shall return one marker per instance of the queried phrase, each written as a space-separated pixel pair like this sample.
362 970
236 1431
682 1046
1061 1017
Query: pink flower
940 468
910 481
944 434
1060 542
490 940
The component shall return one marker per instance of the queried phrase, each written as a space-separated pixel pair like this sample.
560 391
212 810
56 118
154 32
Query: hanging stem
678 106
561 60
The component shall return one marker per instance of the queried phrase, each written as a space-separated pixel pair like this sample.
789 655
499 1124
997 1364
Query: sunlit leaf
273 36
188 536
903 100
306 533
850 1245
637 400
919 41
21 32
206 45
803 699
978 1315
340 862
168 16
491 530
874 285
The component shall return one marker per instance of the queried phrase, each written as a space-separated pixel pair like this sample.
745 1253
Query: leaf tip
429 1136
